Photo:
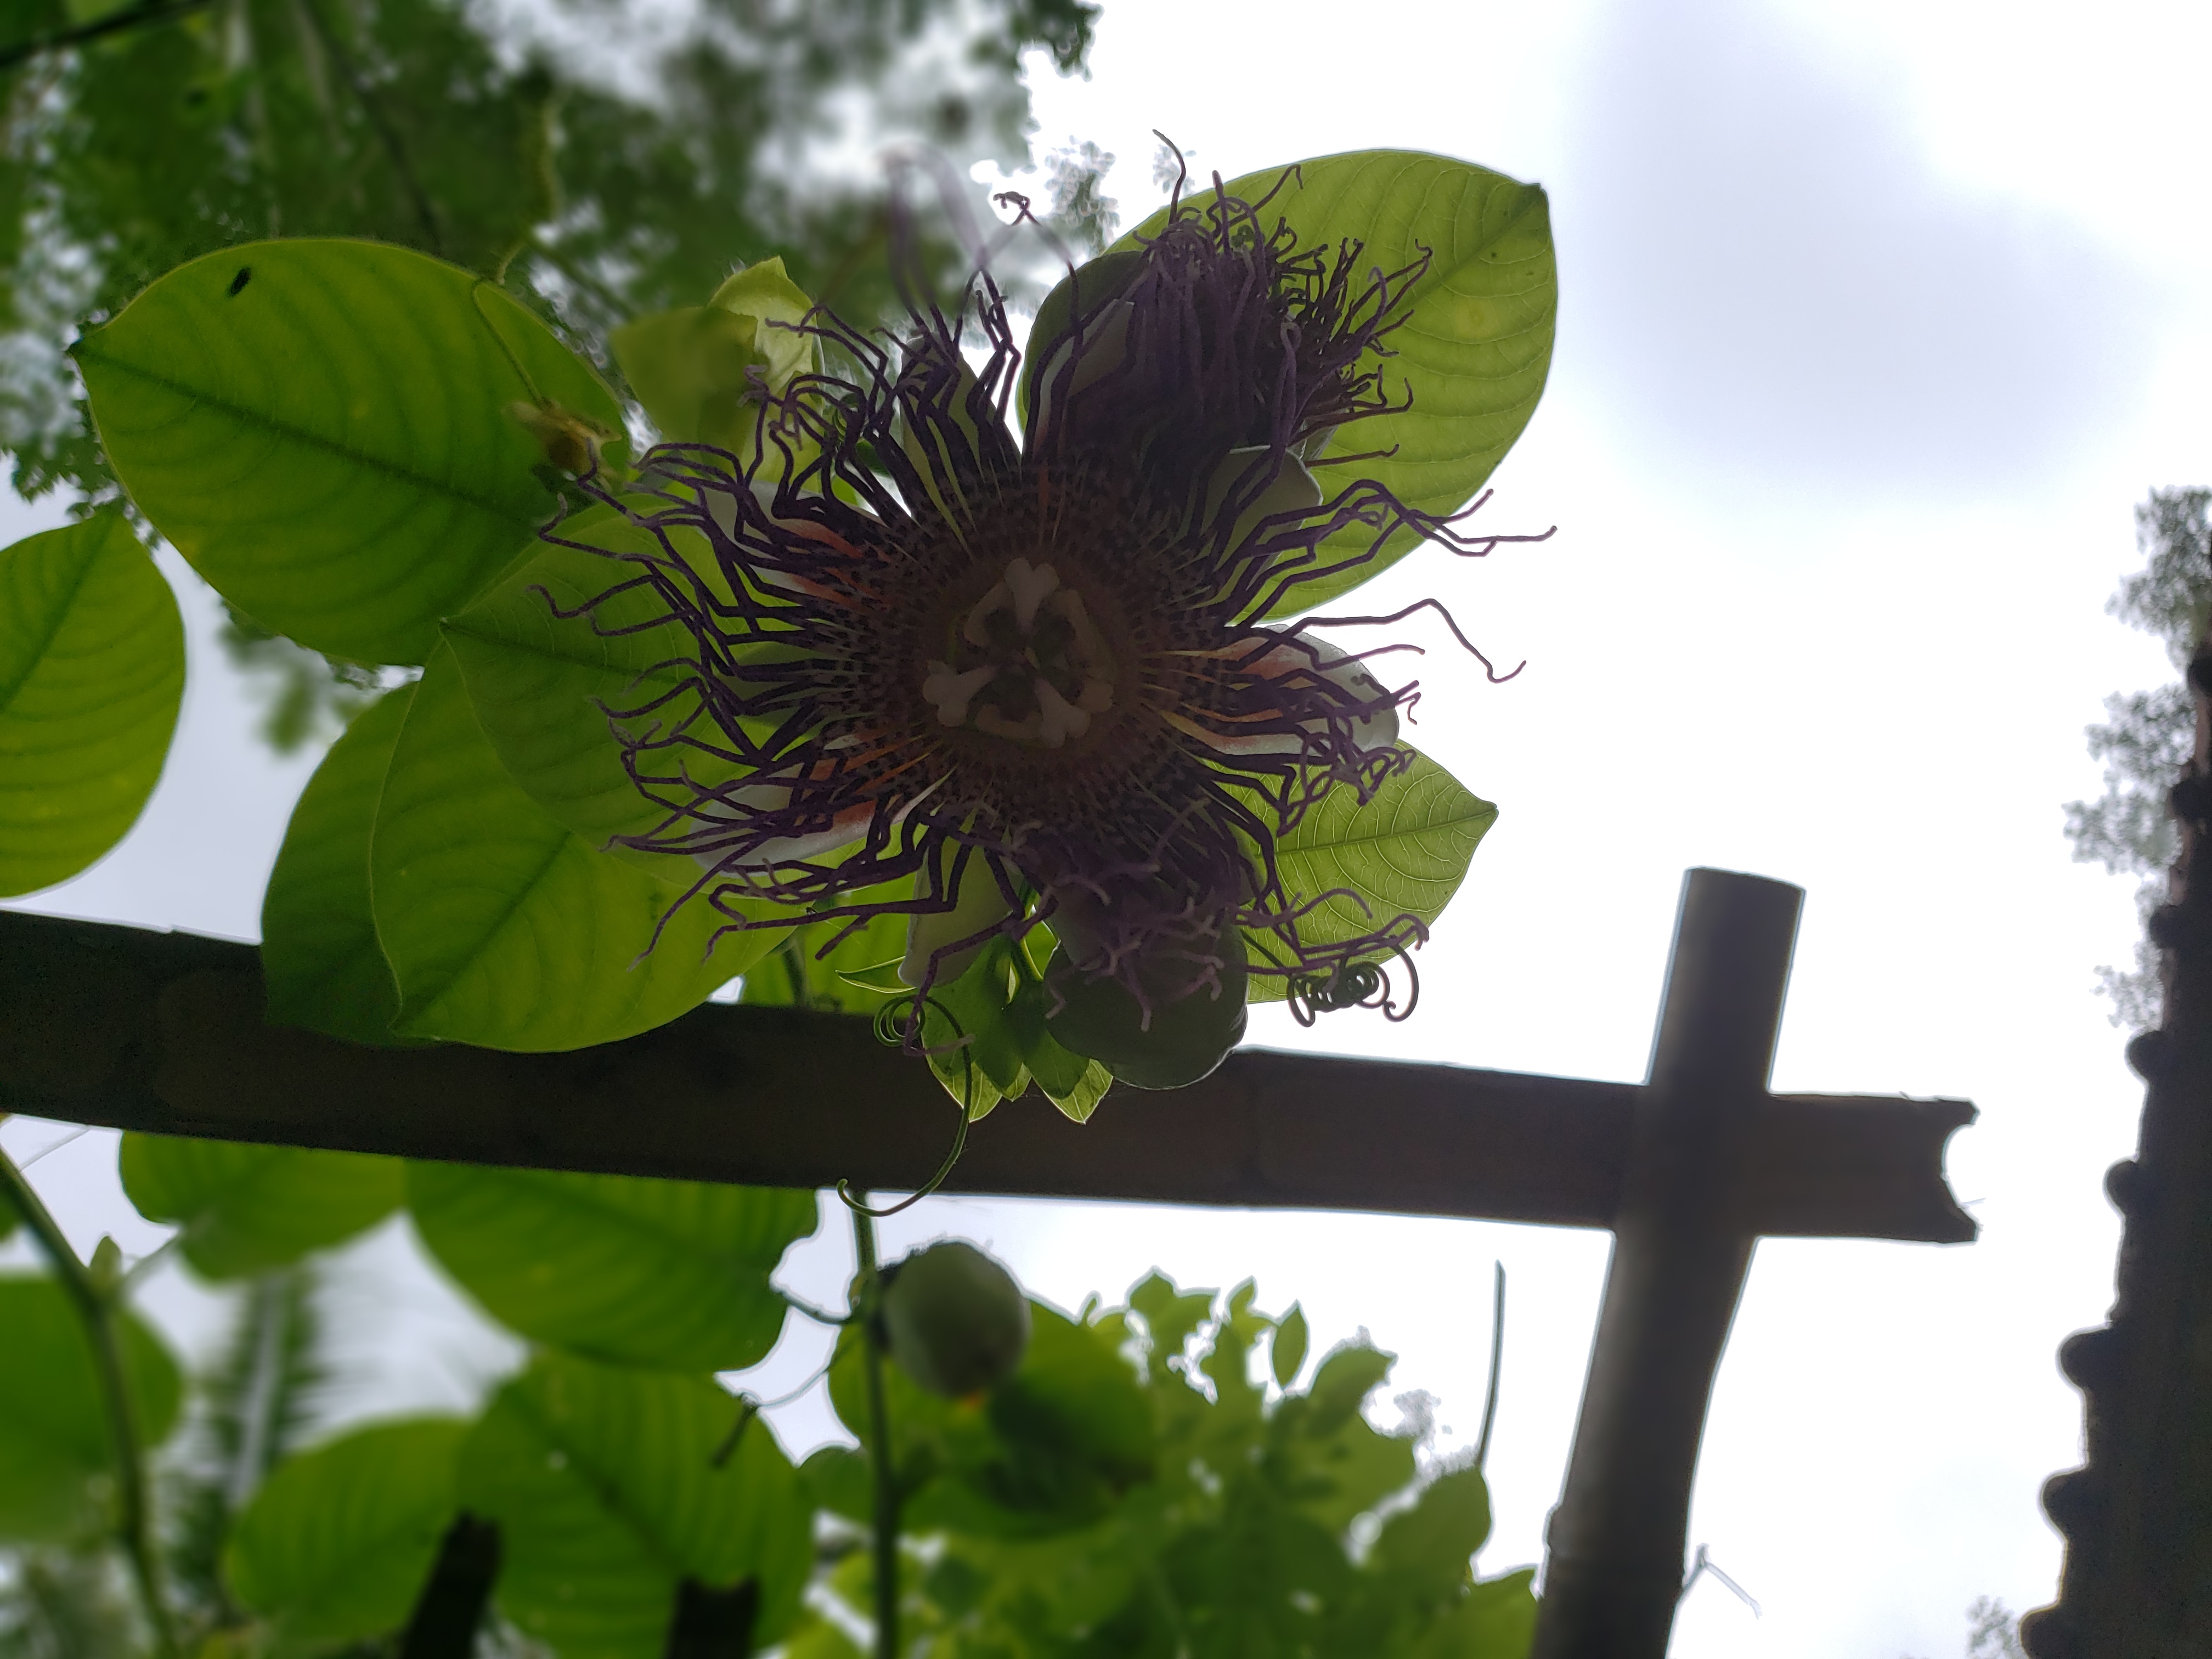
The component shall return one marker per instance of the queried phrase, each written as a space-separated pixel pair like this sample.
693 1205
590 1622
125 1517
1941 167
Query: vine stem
96 1307
880 1462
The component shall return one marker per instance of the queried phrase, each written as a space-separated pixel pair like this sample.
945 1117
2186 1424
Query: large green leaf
92 668
1478 345
1405 852
608 1490
541 682
55 1466
334 1546
321 427
667 1273
502 927
318 951
246 1209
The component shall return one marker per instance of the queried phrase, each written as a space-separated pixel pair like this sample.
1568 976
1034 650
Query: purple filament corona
1028 679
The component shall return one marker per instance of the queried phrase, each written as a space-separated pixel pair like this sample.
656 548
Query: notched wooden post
1682 1245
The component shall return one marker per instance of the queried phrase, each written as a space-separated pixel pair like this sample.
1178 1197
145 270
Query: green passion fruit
955 1321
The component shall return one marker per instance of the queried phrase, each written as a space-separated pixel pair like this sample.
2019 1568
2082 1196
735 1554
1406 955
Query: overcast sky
1876 320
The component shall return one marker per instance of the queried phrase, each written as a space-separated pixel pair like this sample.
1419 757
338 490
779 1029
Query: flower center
1030 666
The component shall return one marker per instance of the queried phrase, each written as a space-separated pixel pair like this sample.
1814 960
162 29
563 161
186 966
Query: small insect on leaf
237 283
570 440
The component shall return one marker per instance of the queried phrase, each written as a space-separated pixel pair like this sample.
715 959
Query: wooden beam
164 1032
1613 1571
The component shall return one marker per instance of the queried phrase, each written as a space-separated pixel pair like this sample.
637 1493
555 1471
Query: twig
880 1463
52 1147
153 11
1704 1564
1496 1362
387 134
96 1307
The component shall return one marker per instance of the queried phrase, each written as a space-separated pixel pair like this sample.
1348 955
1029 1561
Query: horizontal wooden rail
165 1032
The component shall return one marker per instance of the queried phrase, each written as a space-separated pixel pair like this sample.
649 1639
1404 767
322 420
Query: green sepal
693 368
881 978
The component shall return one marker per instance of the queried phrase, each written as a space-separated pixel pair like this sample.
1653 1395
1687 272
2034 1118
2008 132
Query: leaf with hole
1471 359
666 1274
336 1544
321 428
318 951
92 670
505 929
244 1209
57 1469
610 1486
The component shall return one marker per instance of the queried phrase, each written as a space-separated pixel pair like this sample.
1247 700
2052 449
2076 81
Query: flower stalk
882 1467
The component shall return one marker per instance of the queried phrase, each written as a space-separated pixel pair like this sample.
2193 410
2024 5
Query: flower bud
701 370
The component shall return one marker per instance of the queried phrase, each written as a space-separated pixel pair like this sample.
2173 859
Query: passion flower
1012 666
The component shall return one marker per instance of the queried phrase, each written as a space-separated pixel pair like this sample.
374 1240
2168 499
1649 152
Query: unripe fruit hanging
955 1321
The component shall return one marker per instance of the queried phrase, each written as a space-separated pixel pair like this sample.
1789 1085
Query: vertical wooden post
1679 1255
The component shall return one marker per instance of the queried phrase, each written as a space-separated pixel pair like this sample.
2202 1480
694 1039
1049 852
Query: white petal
1105 344
1292 490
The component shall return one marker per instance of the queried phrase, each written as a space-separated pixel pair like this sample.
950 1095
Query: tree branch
395 148
151 11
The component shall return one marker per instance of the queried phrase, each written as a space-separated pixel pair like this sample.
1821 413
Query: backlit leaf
92 669
321 427
502 927
1477 347
1405 853
55 1465
338 1542
318 950
246 1209
537 681
1429 1544
607 1488
1496 1619
668 1274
